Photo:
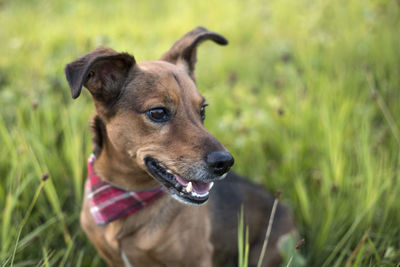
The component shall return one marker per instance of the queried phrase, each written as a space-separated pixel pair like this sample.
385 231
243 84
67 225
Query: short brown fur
167 232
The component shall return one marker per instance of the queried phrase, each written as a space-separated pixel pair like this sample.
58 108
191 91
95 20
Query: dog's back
225 204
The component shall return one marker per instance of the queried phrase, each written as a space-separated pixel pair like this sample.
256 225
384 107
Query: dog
147 197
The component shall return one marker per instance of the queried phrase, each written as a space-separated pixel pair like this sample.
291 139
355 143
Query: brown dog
148 130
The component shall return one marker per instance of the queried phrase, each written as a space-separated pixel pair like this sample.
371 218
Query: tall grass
243 241
305 97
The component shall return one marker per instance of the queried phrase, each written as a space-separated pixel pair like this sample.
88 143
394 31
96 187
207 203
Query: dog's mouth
185 190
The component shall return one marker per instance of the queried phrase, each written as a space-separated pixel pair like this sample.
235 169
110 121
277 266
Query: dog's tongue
198 187
181 180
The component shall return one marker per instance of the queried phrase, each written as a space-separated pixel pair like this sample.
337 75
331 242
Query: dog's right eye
158 114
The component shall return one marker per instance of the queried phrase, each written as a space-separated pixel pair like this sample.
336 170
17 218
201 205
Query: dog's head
151 114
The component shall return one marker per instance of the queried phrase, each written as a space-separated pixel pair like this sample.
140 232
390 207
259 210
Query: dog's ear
184 50
102 71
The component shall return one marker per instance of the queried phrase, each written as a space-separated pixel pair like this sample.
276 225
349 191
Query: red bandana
108 203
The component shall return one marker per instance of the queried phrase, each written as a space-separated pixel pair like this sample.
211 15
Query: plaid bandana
108 203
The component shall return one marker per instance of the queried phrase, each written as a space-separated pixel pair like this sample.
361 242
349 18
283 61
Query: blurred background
305 96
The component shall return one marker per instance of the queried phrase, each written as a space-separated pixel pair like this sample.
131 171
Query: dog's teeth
211 185
168 171
189 187
199 195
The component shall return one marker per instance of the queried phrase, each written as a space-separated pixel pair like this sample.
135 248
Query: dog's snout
219 162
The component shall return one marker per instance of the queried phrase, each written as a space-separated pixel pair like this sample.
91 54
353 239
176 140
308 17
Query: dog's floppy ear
184 50
102 71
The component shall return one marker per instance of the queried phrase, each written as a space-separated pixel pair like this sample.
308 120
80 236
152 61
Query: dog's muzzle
190 191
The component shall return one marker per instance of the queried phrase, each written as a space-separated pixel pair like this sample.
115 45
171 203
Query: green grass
243 241
306 97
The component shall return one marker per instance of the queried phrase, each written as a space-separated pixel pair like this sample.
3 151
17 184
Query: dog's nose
219 162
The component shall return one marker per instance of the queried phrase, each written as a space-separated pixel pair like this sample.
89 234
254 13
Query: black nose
219 162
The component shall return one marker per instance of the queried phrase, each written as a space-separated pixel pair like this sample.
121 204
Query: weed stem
268 233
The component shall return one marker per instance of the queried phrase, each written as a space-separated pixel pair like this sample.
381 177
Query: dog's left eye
203 112
158 114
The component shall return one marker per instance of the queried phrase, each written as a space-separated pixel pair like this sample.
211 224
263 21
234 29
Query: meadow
305 96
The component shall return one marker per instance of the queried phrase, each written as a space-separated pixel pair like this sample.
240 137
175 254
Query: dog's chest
186 237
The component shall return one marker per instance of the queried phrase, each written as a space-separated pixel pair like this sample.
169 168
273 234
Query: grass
305 97
243 241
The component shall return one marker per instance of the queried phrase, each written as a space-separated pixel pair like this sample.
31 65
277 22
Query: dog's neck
119 170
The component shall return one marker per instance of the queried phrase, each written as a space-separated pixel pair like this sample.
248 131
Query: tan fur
146 241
